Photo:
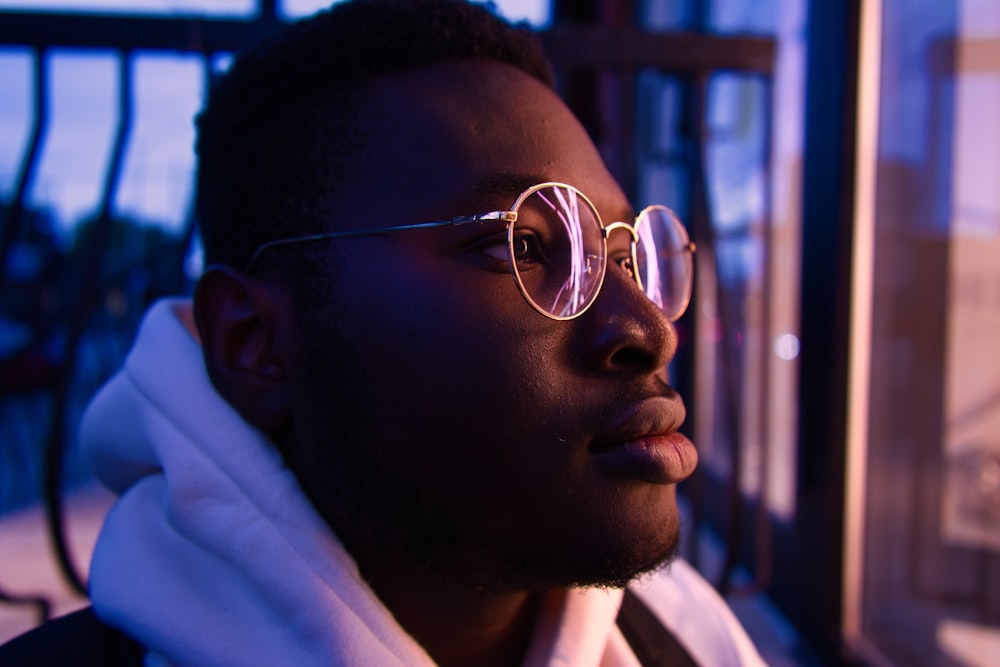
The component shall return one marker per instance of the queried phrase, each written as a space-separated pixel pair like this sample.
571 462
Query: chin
612 564
623 570
642 542
606 549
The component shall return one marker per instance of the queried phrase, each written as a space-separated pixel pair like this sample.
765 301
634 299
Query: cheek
458 361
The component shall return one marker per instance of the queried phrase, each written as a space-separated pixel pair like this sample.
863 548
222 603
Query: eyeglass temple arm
505 216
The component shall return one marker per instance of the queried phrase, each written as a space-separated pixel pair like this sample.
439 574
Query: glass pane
149 7
15 114
84 112
536 12
931 587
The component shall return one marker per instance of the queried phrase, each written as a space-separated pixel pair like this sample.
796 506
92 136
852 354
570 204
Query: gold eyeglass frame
509 217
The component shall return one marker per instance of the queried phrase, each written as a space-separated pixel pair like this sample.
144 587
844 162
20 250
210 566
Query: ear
245 327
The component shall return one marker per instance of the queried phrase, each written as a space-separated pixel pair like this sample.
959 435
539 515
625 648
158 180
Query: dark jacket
81 639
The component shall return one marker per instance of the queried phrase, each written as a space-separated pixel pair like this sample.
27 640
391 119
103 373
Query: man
418 413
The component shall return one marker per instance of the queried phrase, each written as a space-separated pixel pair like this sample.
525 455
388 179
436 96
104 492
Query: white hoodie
213 556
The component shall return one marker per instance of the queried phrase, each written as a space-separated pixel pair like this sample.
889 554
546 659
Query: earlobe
243 330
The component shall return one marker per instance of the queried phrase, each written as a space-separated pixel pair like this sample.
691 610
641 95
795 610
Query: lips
646 445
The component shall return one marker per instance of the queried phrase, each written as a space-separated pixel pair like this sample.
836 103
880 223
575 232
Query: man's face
440 421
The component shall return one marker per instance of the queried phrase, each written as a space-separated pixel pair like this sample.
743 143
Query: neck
459 627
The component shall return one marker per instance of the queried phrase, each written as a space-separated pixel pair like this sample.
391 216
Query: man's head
439 422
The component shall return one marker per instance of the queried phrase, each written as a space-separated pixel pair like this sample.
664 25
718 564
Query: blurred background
838 165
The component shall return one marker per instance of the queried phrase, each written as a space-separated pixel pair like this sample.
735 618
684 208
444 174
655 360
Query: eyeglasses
558 250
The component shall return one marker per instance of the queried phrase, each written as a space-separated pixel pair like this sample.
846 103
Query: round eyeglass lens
665 265
558 249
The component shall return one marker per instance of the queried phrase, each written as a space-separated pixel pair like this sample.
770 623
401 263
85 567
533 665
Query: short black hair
282 125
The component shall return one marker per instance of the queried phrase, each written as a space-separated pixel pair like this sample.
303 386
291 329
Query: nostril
633 358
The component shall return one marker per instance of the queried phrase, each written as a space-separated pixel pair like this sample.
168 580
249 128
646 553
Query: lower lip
656 459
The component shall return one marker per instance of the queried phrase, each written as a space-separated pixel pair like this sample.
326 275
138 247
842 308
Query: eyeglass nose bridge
630 228
607 229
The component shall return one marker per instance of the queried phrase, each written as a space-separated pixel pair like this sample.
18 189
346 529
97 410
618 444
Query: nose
624 332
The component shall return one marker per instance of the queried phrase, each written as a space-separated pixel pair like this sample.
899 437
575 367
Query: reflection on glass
931 590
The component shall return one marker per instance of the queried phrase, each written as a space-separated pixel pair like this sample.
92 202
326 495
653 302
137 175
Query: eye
624 260
527 247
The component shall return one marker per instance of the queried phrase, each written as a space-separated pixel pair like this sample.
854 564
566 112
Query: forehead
459 136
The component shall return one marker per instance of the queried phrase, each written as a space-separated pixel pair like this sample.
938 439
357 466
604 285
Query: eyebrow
502 186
